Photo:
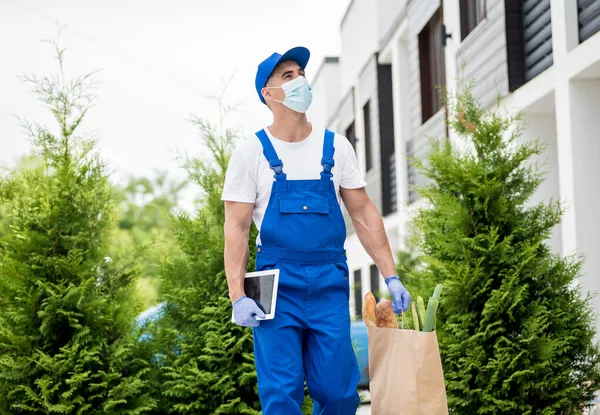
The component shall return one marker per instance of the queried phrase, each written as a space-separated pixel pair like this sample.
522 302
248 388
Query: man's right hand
244 310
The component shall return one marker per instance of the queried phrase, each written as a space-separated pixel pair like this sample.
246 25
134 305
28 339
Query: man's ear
266 94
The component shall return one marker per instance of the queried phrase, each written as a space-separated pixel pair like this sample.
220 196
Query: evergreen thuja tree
66 309
206 364
516 334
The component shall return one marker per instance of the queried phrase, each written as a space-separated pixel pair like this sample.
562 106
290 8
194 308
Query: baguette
385 315
369 310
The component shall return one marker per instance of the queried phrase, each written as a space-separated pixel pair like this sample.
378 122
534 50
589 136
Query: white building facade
541 57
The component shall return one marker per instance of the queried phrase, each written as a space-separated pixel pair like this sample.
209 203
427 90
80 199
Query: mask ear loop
273 87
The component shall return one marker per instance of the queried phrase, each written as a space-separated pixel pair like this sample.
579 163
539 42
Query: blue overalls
303 234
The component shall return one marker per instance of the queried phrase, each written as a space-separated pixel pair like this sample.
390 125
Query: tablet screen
260 289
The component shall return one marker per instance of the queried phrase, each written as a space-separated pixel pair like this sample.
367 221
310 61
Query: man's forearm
236 259
371 233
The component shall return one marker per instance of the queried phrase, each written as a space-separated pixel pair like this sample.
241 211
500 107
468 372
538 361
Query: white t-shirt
249 177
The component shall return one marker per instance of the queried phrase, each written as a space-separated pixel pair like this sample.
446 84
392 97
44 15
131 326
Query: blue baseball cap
299 54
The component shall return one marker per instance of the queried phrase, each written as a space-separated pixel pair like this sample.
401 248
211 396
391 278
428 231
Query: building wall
419 13
344 117
345 111
585 124
367 92
359 40
326 93
403 104
388 12
407 126
434 128
560 107
542 126
483 55
577 89
414 80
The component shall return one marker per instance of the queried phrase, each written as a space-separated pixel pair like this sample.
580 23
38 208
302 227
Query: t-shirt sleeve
240 184
352 178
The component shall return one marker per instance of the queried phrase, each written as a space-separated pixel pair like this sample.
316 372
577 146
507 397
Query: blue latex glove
244 309
401 297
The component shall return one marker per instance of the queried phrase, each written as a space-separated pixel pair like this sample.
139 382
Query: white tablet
262 286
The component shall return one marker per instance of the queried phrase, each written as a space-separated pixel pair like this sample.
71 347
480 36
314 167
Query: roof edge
346 12
326 60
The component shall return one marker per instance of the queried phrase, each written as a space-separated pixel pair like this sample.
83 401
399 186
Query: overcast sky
158 61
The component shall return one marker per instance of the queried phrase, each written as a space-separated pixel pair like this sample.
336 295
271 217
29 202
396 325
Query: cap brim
299 54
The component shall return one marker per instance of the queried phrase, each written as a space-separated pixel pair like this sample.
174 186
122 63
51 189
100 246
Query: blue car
358 333
148 316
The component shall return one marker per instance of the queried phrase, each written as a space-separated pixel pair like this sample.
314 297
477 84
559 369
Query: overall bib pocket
299 218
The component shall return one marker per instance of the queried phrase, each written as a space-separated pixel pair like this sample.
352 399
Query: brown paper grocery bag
405 373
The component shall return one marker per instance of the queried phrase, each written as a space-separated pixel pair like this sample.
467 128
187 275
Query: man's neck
290 126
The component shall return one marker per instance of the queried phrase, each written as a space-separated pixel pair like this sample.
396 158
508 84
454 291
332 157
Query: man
290 179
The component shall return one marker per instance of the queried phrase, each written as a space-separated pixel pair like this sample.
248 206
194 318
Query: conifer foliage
516 332
66 309
206 364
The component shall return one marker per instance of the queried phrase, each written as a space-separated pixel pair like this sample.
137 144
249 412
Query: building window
387 147
432 66
472 13
368 144
351 135
374 271
358 292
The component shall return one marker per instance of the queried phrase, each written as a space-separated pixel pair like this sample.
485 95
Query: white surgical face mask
298 95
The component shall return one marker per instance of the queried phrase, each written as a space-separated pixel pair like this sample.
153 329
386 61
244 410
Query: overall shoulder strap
327 161
270 153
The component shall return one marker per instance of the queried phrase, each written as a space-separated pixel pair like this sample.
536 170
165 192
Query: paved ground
364 410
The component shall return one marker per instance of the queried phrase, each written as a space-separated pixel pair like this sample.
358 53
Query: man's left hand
401 297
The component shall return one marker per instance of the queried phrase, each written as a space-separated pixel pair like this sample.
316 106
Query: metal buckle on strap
277 166
327 164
